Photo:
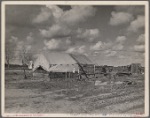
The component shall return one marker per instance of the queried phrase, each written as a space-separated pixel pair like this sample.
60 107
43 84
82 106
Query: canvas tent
64 71
54 62
48 59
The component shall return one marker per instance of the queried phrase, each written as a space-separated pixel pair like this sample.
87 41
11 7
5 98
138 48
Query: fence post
94 70
66 75
78 74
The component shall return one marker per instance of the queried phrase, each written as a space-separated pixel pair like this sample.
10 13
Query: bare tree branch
8 53
26 58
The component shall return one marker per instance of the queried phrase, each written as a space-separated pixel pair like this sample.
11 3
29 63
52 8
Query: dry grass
41 96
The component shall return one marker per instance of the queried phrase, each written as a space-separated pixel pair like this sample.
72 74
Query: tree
26 57
8 53
24 61
7 57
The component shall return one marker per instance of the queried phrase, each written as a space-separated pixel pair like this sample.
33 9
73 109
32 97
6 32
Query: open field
38 95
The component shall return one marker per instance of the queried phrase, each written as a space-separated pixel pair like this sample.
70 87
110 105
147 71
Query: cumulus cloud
141 39
110 53
52 44
118 44
137 24
139 48
30 38
56 44
140 45
11 43
118 47
100 46
21 47
44 15
64 21
121 39
122 56
81 49
77 49
70 17
13 39
109 48
55 11
55 30
78 14
68 41
119 18
97 46
28 47
88 34
47 13
15 44
72 49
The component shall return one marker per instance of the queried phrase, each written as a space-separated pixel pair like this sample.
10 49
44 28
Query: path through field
126 100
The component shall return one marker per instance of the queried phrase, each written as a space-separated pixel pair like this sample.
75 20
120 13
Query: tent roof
64 68
58 58
81 59
64 58
64 61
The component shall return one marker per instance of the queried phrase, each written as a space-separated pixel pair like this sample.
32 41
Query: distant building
115 69
142 69
121 69
99 69
109 68
136 68
16 65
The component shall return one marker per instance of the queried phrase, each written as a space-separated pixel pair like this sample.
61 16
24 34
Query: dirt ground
38 96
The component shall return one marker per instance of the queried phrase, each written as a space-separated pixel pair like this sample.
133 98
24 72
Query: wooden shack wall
88 69
16 67
98 69
62 75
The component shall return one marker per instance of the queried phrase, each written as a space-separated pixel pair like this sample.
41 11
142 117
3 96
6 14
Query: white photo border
4 3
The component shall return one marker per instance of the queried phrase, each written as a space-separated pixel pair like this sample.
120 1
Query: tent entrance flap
41 69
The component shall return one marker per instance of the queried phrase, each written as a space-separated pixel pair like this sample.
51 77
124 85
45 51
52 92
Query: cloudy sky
112 35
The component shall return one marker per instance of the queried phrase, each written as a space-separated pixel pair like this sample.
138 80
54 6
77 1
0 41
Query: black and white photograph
74 58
